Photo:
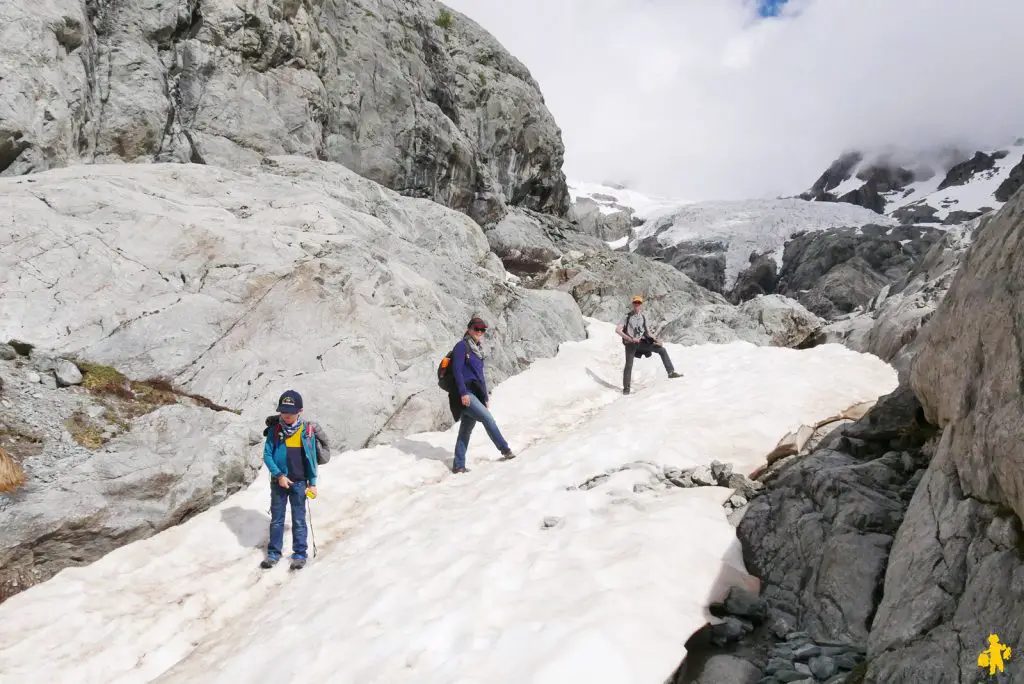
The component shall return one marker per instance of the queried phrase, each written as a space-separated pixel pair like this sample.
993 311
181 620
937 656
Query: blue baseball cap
290 402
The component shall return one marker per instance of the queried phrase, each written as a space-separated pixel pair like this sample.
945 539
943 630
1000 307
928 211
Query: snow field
508 573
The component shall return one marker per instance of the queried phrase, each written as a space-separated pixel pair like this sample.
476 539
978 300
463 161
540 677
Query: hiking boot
507 455
268 563
674 374
460 470
297 564
625 390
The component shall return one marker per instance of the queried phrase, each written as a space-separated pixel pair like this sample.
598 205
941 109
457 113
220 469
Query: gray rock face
889 324
962 173
702 260
601 221
956 563
785 321
408 94
836 271
819 534
840 170
951 581
95 478
759 278
602 282
521 244
206 276
1012 183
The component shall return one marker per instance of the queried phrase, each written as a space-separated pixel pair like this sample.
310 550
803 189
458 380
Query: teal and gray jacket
275 452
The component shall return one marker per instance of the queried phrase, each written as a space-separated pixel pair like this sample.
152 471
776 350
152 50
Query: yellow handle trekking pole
309 513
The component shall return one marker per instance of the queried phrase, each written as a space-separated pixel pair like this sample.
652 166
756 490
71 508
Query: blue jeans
475 413
279 500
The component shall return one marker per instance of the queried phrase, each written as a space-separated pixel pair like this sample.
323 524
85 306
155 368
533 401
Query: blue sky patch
770 8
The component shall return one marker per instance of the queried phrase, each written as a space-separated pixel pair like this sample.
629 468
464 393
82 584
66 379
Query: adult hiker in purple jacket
470 402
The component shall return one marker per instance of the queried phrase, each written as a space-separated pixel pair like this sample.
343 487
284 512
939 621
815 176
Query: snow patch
644 206
423 576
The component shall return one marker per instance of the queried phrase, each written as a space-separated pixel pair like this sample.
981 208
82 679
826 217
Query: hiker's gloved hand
284 482
465 400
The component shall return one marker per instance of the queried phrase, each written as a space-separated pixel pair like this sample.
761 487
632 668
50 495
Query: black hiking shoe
674 374
297 564
460 470
507 455
625 390
268 563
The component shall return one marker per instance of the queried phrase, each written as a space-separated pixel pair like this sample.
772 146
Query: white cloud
697 99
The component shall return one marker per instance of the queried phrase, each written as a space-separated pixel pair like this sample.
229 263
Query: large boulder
409 94
522 244
607 222
786 322
238 285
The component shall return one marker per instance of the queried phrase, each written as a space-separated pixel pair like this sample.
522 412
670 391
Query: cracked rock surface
409 94
239 285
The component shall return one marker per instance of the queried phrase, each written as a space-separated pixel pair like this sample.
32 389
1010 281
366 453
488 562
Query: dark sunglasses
479 329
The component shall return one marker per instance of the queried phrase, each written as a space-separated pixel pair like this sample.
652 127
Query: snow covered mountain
612 212
580 560
728 232
947 187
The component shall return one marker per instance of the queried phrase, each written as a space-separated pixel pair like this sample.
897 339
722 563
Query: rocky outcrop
818 534
711 242
1012 183
759 278
962 173
879 177
609 221
889 324
702 260
783 320
839 171
104 466
409 94
900 536
602 282
834 272
955 564
238 285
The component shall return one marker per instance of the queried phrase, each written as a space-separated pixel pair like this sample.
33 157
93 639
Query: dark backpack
323 455
445 375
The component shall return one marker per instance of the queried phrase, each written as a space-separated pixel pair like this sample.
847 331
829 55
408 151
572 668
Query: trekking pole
309 514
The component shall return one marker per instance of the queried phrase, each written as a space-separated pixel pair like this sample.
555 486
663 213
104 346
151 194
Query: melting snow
427 577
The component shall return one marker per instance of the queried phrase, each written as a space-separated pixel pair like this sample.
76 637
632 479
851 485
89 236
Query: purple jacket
468 373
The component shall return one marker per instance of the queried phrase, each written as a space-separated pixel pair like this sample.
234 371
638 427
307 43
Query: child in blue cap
291 452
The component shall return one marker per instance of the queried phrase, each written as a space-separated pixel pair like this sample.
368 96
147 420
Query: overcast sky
703 99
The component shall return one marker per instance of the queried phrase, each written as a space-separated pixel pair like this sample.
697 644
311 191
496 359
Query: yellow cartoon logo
994 656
